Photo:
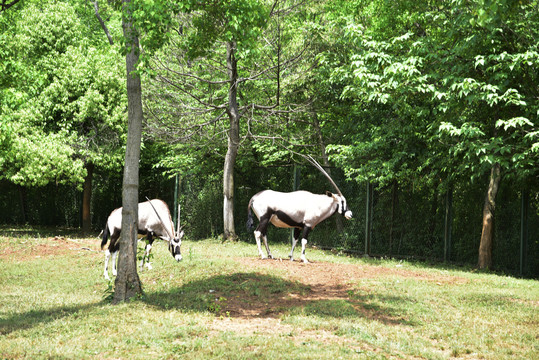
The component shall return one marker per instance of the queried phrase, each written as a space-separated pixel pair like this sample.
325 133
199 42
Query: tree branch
103 25
6 6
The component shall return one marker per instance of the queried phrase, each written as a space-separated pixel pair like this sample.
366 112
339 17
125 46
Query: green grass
53 305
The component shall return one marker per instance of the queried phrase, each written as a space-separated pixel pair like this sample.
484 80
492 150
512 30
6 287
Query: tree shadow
256 295
29 319
240 295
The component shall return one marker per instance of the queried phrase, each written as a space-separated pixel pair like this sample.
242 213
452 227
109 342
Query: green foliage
62 96
153 20
438 81
420 96
237 21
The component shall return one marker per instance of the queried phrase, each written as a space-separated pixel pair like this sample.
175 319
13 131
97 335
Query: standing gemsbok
301 210
154 220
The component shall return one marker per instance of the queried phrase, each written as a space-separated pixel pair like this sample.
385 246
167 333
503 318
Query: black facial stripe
175 249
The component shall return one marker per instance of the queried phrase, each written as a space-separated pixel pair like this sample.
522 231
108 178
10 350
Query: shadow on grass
239 295
27 320
255 295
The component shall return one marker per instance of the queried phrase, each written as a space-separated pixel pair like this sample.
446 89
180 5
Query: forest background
426 113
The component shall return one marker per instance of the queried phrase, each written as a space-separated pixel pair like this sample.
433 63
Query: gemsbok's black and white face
175 246
342 207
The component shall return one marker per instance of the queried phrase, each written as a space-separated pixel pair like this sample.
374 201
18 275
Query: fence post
368 219
448 223
296 180
525 203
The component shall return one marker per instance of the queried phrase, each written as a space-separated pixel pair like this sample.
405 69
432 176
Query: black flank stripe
287 219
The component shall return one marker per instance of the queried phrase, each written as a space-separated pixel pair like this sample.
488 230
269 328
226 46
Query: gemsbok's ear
330 194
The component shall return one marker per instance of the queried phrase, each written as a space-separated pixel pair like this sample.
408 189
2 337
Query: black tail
250 221
105 236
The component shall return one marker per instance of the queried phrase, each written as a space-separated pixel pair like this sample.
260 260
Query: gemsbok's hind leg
297 232
260 232
258 235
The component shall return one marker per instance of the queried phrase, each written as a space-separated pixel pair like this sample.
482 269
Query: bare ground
323 281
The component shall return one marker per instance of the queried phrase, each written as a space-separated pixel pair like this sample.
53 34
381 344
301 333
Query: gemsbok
154 220
301 210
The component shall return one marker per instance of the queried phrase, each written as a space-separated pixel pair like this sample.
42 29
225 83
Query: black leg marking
263 224
306 232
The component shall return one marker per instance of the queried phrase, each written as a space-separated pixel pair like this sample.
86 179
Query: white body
153 221
301 210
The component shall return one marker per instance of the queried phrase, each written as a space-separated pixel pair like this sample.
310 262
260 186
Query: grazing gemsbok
153 221
301 210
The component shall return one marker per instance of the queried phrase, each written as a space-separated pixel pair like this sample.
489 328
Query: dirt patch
323 275
52 246
320 286
327 288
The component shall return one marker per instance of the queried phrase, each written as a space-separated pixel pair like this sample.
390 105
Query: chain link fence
406 222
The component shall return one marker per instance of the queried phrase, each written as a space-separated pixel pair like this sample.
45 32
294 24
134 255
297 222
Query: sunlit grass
53 305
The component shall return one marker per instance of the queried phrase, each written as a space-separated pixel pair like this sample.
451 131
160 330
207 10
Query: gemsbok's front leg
114 268
303 258
146 256
306 231
107 257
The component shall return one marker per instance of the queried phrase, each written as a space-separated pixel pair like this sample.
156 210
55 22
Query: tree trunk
233 144
127 283
86 199
487 234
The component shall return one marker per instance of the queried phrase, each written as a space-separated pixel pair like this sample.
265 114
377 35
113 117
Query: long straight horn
159 217
178 221
319 167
